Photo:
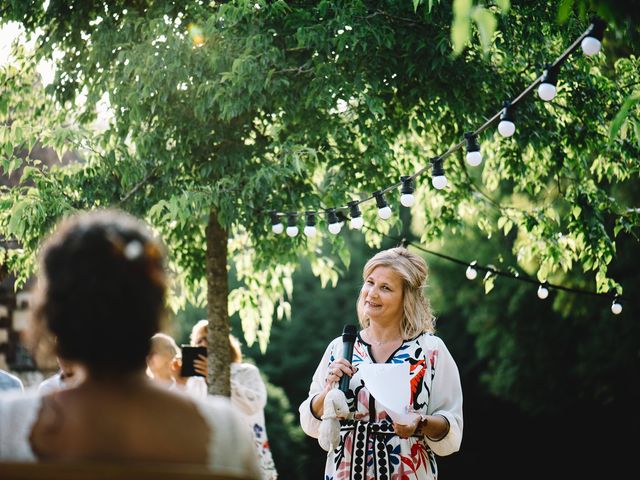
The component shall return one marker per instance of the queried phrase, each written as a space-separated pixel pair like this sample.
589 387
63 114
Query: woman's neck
381 334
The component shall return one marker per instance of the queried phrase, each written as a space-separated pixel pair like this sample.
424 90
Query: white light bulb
384 213
407 200
471 273
439 181
474 158
506 128
547 91
292 231
357 223
616 308
590 46
310 231
334 228
543 292
277 228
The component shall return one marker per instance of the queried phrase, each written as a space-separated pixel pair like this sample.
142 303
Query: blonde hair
235 352
195 330
162 343
418 317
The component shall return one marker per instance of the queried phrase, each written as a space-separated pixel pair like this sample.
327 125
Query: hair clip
133 250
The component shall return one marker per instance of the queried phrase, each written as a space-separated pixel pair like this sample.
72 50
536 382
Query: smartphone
189 354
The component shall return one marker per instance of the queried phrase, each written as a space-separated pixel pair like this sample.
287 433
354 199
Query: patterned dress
249 395
368 447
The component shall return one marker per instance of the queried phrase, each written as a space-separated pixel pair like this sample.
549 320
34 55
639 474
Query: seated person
69 374
164 352
10 382
102 282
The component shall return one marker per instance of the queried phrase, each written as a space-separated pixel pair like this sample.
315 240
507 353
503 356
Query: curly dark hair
101 291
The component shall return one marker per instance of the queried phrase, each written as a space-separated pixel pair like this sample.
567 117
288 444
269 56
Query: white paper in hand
390 385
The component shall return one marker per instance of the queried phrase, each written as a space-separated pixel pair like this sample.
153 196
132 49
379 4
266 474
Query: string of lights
590 41
472 269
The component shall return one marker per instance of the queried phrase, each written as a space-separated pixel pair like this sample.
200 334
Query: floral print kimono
368 447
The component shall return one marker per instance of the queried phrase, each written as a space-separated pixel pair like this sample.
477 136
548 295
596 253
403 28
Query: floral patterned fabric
368 448
249 395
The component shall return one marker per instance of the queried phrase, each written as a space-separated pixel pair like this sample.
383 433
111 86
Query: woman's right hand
337 369
201 366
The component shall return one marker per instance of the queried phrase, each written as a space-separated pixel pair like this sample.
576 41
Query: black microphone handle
347 348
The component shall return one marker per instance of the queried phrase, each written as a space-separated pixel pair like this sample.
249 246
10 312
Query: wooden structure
115 471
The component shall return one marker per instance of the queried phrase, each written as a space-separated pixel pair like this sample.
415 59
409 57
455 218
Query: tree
216 108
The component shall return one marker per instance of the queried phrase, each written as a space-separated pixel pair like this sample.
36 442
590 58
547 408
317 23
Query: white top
51 384
230 445
249 395
195 386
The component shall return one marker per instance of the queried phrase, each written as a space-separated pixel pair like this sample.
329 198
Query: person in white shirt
248 394
10 382
68 375
102 281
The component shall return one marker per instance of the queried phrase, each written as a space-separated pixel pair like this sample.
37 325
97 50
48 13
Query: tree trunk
218 314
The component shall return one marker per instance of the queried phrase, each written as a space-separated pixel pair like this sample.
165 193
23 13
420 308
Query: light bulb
471 273
384 213
506 128
277 228
547 91
357 223
543 292
439 181
335 228
590 46
310 225
292 231
407 200
616 308
474 158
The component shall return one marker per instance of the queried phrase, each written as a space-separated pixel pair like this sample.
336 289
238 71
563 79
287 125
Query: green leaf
504 5
486 22
620 118
489 282
416 3
460 34
16 221
461 25
564 10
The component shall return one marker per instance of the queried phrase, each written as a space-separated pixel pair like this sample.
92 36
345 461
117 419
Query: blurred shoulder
8 381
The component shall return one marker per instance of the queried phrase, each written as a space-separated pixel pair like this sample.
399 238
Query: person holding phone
248 392
102 281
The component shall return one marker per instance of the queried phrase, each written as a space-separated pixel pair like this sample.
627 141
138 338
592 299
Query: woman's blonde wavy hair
418 317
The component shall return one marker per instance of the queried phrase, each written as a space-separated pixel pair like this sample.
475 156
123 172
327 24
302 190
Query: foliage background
543 381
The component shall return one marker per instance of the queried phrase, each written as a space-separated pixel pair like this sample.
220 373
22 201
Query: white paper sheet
390 385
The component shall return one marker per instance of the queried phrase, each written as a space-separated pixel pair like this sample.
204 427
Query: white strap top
231 447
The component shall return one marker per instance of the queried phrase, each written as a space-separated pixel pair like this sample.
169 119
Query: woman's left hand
201 365
405 431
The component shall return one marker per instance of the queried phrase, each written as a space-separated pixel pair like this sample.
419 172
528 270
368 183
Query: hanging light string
590 41
543 287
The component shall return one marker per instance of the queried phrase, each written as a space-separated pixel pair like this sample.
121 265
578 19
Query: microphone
348 339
